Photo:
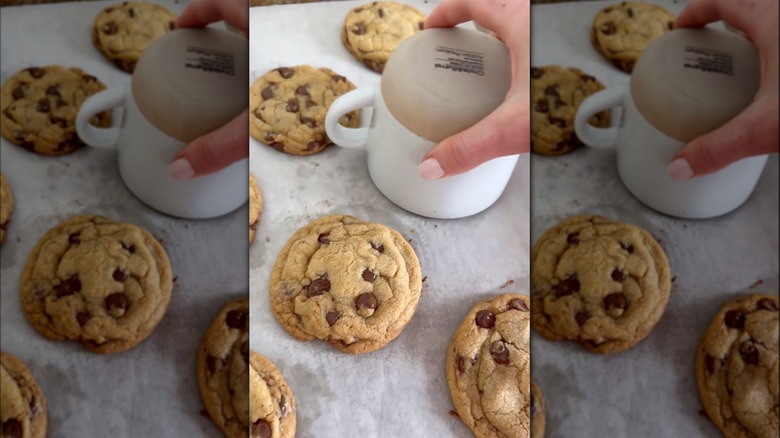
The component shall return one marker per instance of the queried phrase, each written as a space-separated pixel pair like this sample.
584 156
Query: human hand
755 130
505 131
224 146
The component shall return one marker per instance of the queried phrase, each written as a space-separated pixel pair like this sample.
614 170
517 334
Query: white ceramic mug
644 153
144 155
394 153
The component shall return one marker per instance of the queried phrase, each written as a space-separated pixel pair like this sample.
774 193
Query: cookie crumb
454 414
757 283
424 278
509 282
674 278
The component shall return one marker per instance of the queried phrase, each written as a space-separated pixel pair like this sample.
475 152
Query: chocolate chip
735 319
499 352
285 72
109 28
130 248
587 78
131 13
485 319
278 146
582 317
261 429
749 352
461 365
62 123
19 92
211 363
368 276
536 72
618 275
559 103
30 146
68 286
73 238
318 286
518 304
119 275
608 29
332 317
303 90
236 319
561 145
670 25
12 428
709 363
117 300
61 103
767 304
36 72
379 247
171 25
359 29
558 121
567 286
267 93
338 78
88 78
573 238
541 106
381 12
630 13
421 25
551 90
615 304
83 317
627 247
245 351
366 301
308 121
292 106
323 239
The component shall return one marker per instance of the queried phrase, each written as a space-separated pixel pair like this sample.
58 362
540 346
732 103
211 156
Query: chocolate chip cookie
6 206
223 369
272 406
287 108
255 207
737 367
122 32
22 405
371 32
621 32
102 283
39 106
489 368
350 283
538 412
601 283
556 94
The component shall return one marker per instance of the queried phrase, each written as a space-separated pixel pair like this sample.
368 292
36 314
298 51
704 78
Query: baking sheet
399 391
650 390
151 390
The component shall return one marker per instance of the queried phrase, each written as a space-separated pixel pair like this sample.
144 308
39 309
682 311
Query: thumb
503 132
213 151
752 132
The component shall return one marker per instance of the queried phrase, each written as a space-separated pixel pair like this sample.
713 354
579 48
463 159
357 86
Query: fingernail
430 169
680 169
181 169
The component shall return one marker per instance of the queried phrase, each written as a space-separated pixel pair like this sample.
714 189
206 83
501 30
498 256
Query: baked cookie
271 405
538 412
620 32
601 283
288 106
6 206
371 32
350 283
123 31
102 283
223 369
39 106
22 405
489 368
737 367
556 94
255 207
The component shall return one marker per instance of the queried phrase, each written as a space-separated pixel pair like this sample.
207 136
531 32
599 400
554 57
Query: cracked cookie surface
6 206
538 412
556 94
350 283
223 369
22 404
272 405
622 31
372 31
123 31
737 367
488 368
255 207
288 105
39 105
600 283
102 283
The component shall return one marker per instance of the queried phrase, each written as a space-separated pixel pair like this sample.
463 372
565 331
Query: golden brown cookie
102 283
350 283
22 404
39 105
123 31
372 31
601 283
538 412
556 94
6 206
287 108
737 367
622 31
255 207
223 369
271 404
489 368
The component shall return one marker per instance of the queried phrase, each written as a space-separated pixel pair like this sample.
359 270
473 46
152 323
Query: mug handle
353 138
91 135
603 100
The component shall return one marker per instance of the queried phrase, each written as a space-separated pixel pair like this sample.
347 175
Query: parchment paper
151 390
650 390
399 391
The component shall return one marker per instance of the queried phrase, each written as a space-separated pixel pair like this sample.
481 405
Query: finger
504 132
213 151
491 14
751 133
201 13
